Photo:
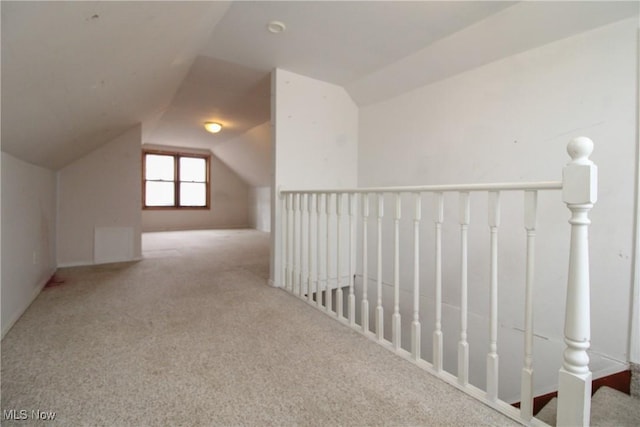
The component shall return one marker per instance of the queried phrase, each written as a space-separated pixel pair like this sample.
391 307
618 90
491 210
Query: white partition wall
315 137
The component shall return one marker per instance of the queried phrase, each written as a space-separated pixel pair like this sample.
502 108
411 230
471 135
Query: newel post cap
580 175
579 150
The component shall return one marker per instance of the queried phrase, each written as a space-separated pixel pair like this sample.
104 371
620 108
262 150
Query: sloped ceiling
338 41
236 96
249 155
76 74
516 29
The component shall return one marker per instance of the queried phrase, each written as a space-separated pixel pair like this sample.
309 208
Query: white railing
319 253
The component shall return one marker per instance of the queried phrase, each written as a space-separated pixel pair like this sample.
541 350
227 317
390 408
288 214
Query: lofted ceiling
77 74
338 42
235 96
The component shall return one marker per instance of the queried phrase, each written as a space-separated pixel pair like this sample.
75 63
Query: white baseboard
196 228
91 263
74 264
7 327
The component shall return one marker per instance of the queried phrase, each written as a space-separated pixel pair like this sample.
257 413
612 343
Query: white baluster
365 264
579 193
310 273
294 238
379 309
437 333
327 293
415 325
526 393
290 249
285 241
339 198
303 244
396 332
352 260
318 237
298 244
463 345
492 356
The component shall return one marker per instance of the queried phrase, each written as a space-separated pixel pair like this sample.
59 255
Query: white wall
249 155
634 350
229 205
316 132
510 121
99 190
28 235
260 208
315 128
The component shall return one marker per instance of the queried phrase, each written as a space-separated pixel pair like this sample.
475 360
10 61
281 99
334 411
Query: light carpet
609 408
193 335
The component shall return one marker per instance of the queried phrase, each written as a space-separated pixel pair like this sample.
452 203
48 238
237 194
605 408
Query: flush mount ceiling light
213 127
276 27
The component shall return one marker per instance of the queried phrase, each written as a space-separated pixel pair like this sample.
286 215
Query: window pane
192 169
193 194
159 167
159 194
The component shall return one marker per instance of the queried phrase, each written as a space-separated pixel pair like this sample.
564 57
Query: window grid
176 156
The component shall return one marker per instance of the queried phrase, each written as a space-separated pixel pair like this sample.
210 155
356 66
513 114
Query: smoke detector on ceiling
276 27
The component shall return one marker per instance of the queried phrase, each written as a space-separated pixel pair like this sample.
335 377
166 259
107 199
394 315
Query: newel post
579 192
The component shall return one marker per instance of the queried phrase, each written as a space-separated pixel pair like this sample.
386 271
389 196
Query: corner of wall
28 235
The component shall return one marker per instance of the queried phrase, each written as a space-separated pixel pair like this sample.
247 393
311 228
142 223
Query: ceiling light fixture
276 27
213 127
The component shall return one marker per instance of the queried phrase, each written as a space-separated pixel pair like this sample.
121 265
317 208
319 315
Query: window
175 180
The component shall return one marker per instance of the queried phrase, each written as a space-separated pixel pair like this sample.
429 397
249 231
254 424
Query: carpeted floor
193 335
609 408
